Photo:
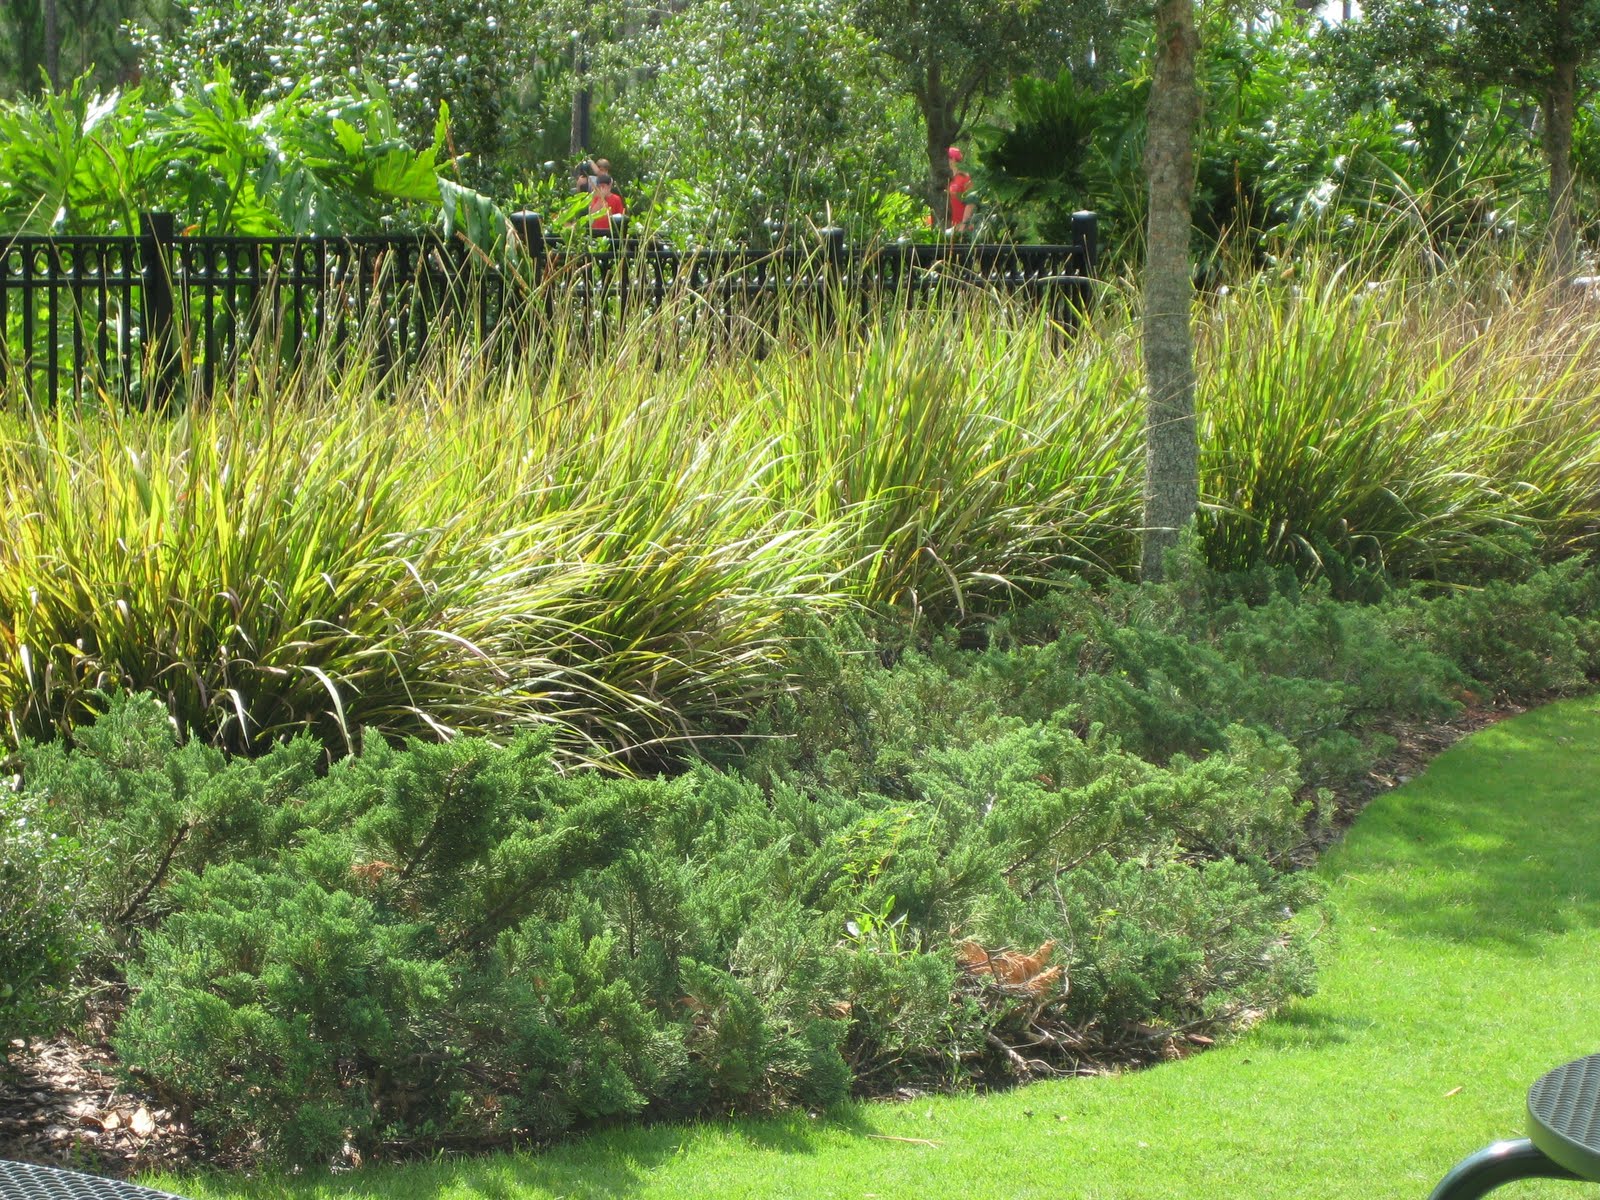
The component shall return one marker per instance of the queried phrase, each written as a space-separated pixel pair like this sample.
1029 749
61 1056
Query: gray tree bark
939 118
1560 107
52 44
1171 475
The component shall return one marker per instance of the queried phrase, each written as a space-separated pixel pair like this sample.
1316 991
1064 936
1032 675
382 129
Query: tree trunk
939 117
1559 104
52 44
27 48
582 103
1171 481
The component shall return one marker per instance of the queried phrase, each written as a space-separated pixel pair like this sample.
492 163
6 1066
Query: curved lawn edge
1466 962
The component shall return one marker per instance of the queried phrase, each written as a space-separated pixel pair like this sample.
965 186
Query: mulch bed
63 1104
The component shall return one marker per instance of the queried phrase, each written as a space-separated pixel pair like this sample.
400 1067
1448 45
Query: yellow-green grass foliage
607 539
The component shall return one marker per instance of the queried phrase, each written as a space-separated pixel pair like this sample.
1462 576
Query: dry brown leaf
1011 968
143 1124
972 956
1042 982
371 872
1006 966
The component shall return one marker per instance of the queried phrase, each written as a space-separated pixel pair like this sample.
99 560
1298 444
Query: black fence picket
133 319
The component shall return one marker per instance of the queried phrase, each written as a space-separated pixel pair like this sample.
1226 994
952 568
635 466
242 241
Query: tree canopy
1436 49
1464 118
950 56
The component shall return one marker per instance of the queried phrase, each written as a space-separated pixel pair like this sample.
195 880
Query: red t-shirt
958 206
607 207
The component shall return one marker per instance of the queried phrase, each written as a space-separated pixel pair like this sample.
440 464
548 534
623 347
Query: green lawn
1467 962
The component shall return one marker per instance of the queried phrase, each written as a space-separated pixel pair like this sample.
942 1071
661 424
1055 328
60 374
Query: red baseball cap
955 155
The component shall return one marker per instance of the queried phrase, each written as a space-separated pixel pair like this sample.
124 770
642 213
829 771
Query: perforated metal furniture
26 1181
1563 1139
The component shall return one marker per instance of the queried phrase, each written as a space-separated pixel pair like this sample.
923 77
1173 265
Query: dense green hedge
464 943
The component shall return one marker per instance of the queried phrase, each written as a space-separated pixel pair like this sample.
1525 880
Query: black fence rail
140 319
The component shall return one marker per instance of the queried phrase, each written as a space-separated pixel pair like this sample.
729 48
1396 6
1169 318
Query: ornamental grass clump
478 553
970 456
603 530
1406 423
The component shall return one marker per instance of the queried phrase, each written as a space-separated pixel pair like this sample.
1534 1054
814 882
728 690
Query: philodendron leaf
350 138
472 214
441 130
405 175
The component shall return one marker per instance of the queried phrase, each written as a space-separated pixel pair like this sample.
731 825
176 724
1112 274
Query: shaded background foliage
721 117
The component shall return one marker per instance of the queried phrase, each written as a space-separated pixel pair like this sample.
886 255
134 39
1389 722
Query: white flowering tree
468 53
748 109
1545 50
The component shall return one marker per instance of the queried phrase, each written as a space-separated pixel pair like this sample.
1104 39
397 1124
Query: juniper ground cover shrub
1161 670
1526 636
43 929
334 968
927 866
458 944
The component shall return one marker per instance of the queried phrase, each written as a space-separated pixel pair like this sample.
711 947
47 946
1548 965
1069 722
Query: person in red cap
960 181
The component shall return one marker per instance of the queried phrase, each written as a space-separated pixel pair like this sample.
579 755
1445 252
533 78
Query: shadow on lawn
615 1163
1298 1027
1494 845
612 1163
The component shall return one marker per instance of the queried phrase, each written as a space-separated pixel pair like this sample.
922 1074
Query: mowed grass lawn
1467 962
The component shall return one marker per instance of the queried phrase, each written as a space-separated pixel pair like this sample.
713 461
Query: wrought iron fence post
1086 241
529 227
619 244
833 239
833 264
5 324
156 234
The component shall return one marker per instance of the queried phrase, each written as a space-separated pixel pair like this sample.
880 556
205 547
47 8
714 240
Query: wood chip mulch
63 1104
1415 747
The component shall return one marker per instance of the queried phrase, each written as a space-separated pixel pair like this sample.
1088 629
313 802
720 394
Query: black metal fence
136 319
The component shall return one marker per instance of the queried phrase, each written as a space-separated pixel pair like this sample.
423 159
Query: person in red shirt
960 181
605 202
